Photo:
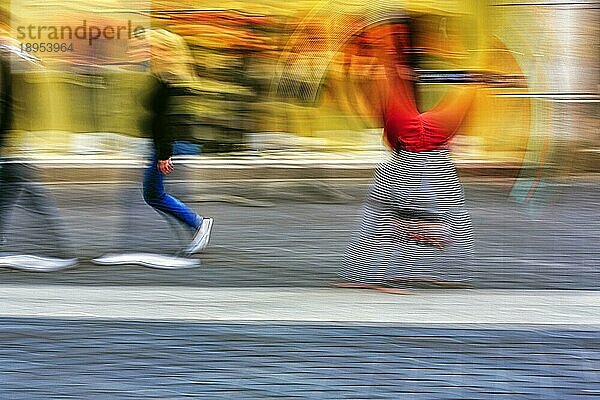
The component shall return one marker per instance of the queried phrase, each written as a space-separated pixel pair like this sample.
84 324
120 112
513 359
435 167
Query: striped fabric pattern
414 223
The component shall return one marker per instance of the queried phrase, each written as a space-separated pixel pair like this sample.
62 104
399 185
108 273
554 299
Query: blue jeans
156 197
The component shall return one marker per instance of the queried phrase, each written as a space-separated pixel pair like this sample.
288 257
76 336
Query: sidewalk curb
301 305
240 169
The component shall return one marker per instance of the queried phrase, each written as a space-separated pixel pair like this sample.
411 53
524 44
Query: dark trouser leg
10 189
23 179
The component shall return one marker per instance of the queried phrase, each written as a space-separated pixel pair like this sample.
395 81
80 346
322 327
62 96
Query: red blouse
408 129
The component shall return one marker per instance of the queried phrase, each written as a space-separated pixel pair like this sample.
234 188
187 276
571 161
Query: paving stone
115 359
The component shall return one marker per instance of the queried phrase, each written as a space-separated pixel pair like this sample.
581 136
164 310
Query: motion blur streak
464 132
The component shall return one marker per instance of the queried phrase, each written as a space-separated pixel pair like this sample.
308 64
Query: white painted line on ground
301 305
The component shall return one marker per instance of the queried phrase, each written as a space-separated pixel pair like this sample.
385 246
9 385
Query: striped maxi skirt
414 224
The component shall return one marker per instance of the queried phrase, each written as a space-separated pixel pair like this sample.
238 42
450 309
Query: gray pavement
288 234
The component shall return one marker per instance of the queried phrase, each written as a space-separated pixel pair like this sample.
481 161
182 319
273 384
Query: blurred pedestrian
415 228
172 68
19 181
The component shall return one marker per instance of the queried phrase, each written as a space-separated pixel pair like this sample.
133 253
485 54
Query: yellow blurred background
274 74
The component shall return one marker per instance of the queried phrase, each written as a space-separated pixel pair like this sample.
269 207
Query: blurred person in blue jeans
172 68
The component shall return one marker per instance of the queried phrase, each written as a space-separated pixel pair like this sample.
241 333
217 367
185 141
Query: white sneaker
30 263
202 236
148 260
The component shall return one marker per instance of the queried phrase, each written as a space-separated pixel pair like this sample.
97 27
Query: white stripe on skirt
412 189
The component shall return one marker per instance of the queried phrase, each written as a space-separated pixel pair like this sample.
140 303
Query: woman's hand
165 166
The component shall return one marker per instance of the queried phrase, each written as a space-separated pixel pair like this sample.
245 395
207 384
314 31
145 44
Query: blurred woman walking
415 229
